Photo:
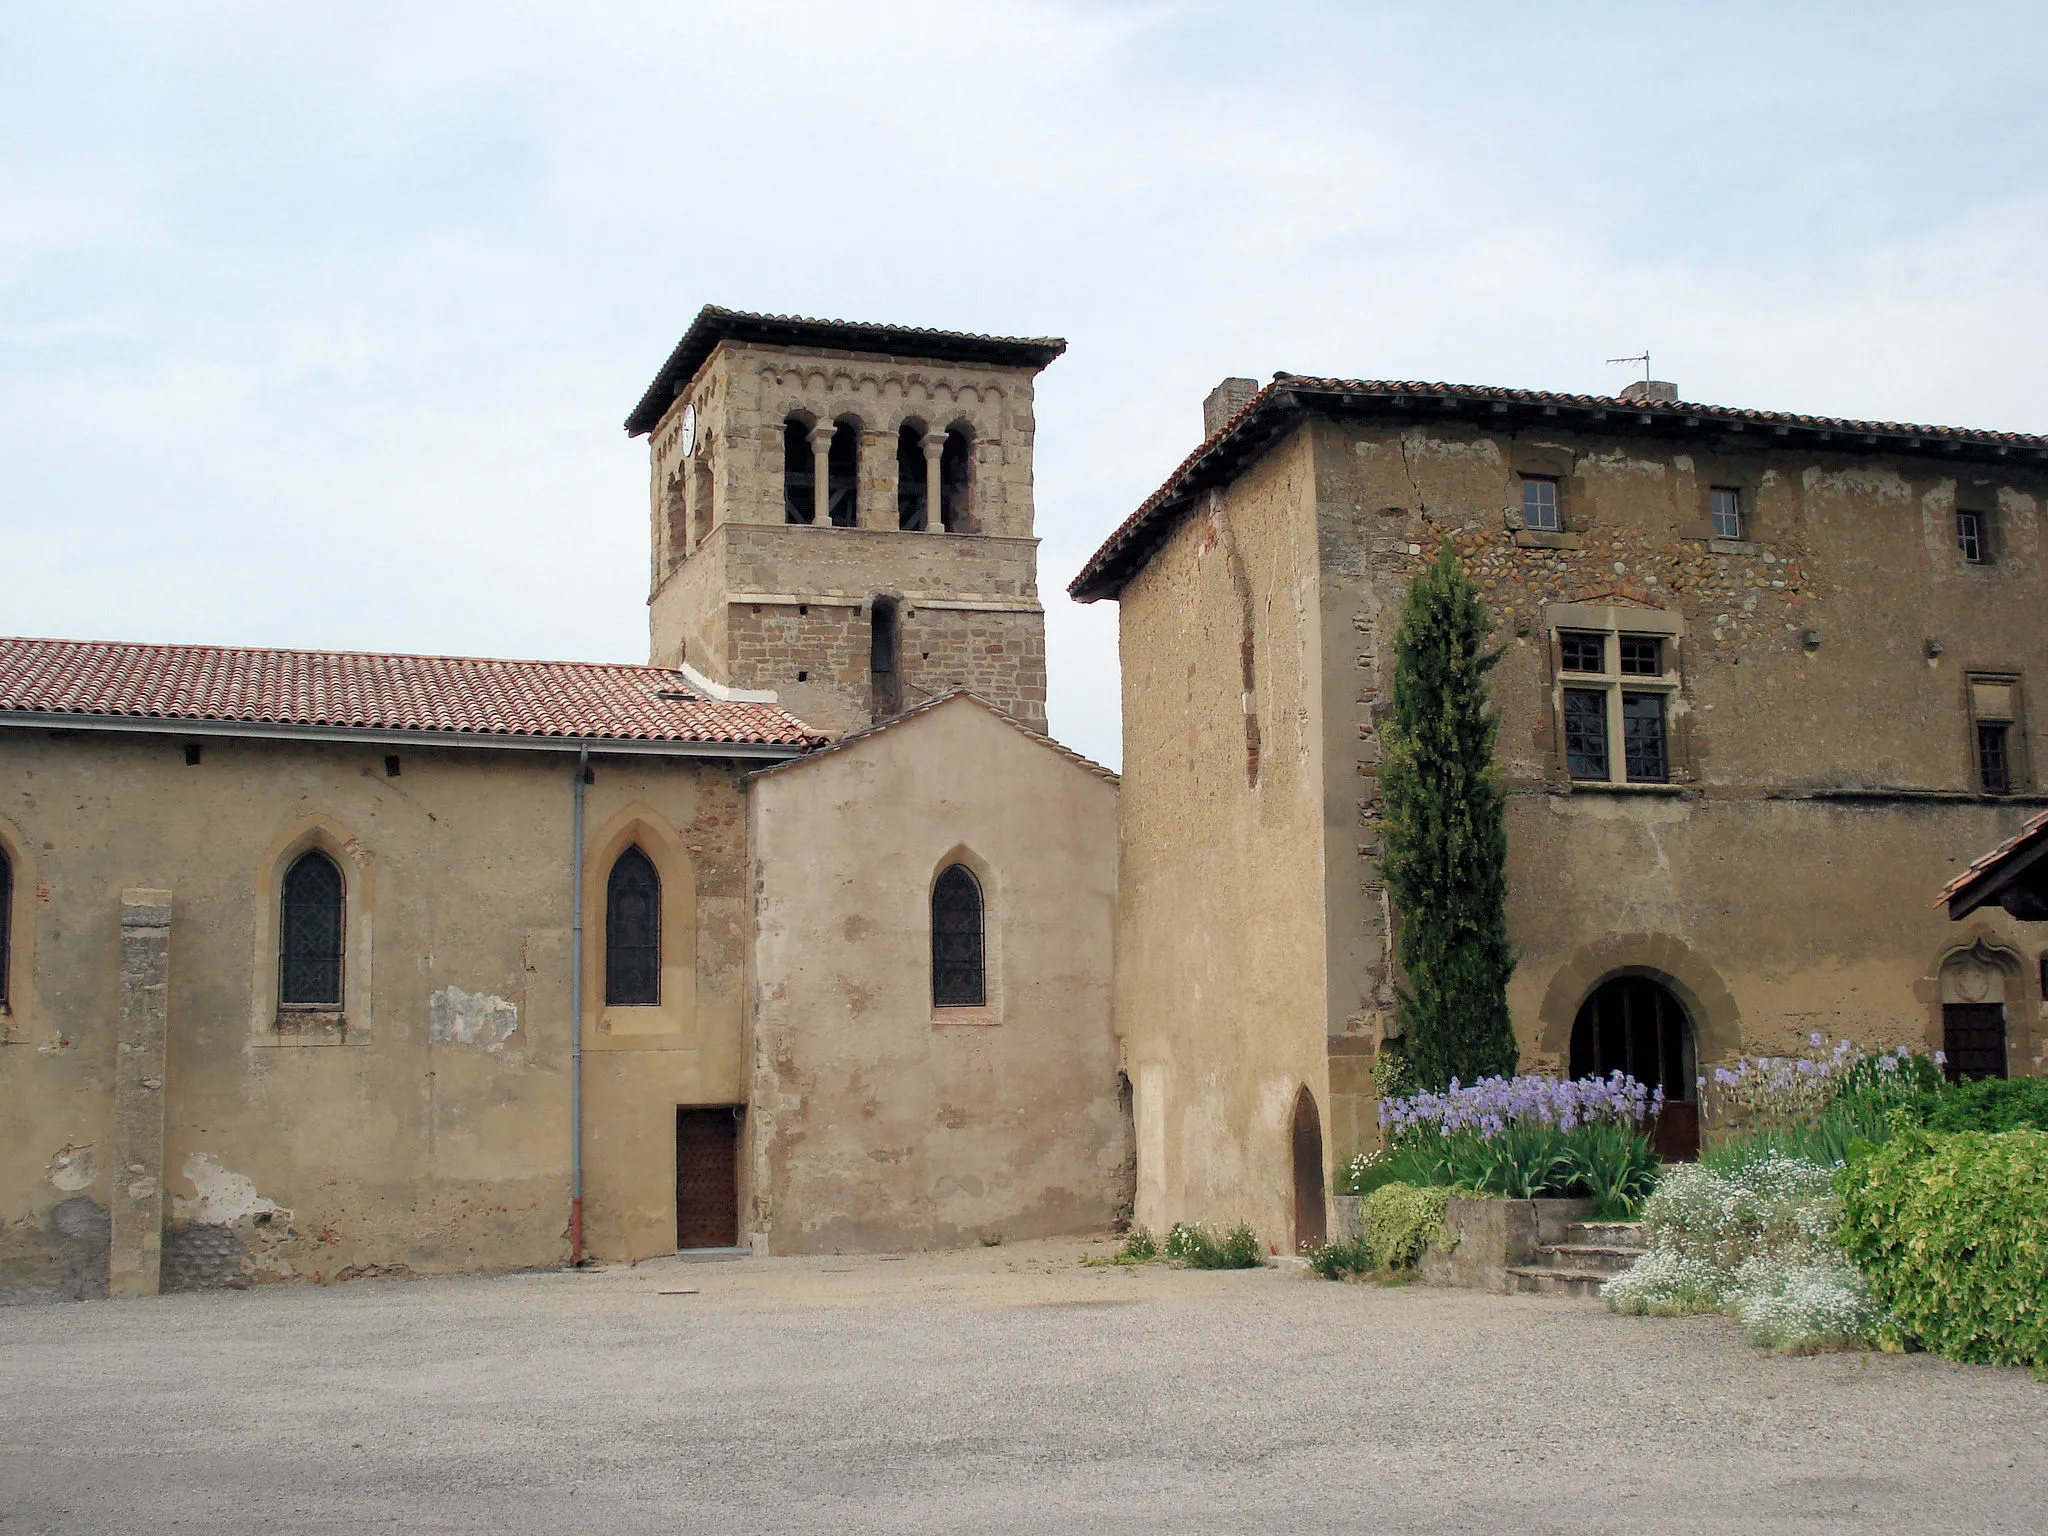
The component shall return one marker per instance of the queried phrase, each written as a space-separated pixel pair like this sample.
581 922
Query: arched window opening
309 947
885 648
842 476
1311 1211
676 522
6 918
799 473
700 494
632 932
910 477
1973 994
956 481
1634 1024
957 969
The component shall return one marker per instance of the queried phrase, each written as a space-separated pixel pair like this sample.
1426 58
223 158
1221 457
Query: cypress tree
1444 835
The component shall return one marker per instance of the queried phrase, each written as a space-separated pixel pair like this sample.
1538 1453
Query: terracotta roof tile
1292 397
853 737
358 690
2036 826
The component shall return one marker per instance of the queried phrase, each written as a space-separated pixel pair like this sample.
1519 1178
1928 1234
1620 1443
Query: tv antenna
1642 357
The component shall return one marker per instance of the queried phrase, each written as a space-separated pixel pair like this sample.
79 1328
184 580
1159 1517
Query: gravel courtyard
1007 1389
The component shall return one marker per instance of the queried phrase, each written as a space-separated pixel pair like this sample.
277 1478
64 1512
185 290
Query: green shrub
1949 1231
1399 1221
1345 1256
1991 1104
1756 1241
1368 1171
1195 1247
1140 1247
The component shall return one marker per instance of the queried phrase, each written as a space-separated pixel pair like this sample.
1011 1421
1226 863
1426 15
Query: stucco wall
878 1121
432 1132
1220 986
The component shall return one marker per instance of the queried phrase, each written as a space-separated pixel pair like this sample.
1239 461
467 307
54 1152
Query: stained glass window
309 947
957 979
632 932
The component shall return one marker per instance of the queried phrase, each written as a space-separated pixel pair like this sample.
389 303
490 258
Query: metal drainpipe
576 1016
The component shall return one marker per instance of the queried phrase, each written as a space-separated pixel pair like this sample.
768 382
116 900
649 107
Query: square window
1642 738
1582 652
1724 503
1539 503
1994 761
1642 655
1970 538
1585 733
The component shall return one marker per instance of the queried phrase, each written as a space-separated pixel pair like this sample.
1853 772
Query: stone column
135 1251
934 510
821 473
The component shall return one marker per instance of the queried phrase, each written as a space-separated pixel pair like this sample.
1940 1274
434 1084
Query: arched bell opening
1311 1213
1634 1023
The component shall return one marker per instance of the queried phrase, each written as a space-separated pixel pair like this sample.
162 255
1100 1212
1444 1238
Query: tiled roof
455 696
851 737
714 325
2035 830
1292 397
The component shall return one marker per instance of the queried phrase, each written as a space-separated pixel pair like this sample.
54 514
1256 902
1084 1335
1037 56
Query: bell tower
842 514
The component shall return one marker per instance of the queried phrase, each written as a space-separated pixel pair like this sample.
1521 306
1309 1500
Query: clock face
689 430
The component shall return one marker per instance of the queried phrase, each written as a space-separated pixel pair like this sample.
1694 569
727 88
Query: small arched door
1311 1213
1634 1024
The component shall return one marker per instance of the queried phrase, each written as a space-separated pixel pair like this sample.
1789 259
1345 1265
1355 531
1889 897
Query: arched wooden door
1311 1214
1634 1024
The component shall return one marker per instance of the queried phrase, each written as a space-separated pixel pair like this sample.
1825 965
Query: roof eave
185 727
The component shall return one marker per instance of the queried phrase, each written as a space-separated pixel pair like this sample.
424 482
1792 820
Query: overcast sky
318 323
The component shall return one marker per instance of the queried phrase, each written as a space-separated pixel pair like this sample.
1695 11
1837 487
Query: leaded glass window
1585 733
1642 738
957 968
632 932
309 947
1994 762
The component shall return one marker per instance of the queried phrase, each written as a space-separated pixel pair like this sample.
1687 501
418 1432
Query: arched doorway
1311 1213
1634 1024
1974 987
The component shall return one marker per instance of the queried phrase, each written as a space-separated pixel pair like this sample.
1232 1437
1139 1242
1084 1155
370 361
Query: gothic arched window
632 932
309 933
957 970
912 492
799 473
6 912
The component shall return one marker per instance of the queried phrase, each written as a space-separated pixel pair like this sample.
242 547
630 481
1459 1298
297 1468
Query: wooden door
1973 1040
708 1177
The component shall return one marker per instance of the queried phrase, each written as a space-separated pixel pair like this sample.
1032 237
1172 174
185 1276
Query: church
324 965
806 937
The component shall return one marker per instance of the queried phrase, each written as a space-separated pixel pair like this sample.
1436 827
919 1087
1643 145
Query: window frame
1617 690
1737 511
1529 480
612 945
943 1004
1973 535
1981 691
310 1007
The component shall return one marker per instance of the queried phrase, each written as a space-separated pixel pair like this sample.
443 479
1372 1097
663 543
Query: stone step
1591 1258
1540 1280
1607 1234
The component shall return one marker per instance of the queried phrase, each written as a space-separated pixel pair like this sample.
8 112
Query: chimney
1224 402
1651 392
